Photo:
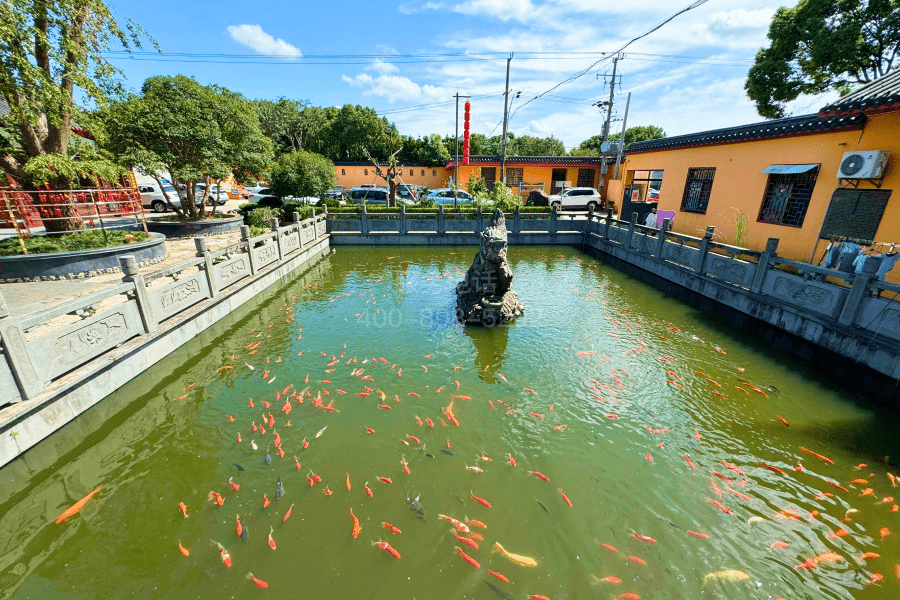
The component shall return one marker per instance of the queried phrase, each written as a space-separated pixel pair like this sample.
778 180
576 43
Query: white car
259 194
579 197
152 197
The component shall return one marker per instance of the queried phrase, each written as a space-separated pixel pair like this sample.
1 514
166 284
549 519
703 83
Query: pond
659 452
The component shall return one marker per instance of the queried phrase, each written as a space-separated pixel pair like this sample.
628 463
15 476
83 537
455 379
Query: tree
822 45
281 121
639 133
301 173
193 133
527 145
47 50
431 151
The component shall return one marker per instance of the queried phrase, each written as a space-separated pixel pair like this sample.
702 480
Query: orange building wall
351 176
533 174
740 184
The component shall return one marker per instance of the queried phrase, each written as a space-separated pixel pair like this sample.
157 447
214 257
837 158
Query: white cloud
395 87
383 67
258 40
501 9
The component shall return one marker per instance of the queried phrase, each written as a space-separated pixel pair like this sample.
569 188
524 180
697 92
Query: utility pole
456 163
622 137
505 116
612 87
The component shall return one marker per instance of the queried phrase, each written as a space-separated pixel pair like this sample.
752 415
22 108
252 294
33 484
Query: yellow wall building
532 171
353 174
780 176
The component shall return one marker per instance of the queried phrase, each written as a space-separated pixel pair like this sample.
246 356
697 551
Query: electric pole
622 137
505 116
612 87
456 163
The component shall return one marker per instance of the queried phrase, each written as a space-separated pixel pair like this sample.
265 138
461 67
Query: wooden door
490 176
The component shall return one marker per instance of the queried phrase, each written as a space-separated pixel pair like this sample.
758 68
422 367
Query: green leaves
822 45
302 174
639 133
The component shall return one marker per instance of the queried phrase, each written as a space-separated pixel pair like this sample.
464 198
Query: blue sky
686 77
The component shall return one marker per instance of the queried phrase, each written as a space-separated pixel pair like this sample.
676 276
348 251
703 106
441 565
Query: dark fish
542 505
458 499
502 593
238 467
279 490
429 455
447 452
414 505
669 522
245 533
267 459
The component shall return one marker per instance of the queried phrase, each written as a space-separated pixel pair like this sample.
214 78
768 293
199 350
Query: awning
788 169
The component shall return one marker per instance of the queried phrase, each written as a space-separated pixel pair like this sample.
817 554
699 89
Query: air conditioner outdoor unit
869 164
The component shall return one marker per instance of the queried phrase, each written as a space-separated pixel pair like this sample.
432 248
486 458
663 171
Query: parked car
336 192
446 195
211 199
408 191
579 197
152 197
264 193
372 195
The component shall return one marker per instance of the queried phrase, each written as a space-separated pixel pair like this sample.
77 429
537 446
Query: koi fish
414 438
524 561
223 553
266 499
840 487
234 486
729 575
467 558
356 526
476 523
79 505
771 468
609 579
430 423
786 424
214 496
458 524
271 541
385 480
287 515
182 549
635 559
690 462
817 455
391 528
183 508
476 469
539 475
564 497
608 547
512 461
734 468
499 576
387 548
657 430
479 500
529 390
697 435
258 582
720 506
460 397
696 534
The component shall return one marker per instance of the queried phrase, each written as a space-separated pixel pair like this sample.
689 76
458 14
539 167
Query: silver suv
579 197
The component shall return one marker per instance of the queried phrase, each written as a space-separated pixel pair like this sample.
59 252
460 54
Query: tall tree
823 45
431 151
281 120
638 133
193 133
527 145
302 173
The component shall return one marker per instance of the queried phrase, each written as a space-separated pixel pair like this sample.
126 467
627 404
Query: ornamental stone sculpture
484 297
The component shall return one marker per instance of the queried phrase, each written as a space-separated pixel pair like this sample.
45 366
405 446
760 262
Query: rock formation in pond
484 297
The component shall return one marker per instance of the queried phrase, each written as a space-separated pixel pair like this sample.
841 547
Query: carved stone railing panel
233 270
320 228
682 255
65 349
880 316
391 225
421 224
729 269
290 242
175 297
618 235
9 392
308 233
534 224
265 255
822 298
467 225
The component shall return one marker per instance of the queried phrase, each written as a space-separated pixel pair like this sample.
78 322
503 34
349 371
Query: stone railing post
631 224
554 220
704 248
859 290
661 242
606 224
273 224
312 212
441 226
296 217
364 220
479 226
131 275
765 263
13 345
211 277
402 227
517 221
245 238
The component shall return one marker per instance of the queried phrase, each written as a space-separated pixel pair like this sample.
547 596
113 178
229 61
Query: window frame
794 198
705 188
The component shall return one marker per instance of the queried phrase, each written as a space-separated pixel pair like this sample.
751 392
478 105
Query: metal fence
33 355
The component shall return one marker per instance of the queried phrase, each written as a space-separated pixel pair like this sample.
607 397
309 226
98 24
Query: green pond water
151 447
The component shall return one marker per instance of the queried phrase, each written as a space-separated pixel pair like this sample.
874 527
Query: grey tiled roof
778 128
879 96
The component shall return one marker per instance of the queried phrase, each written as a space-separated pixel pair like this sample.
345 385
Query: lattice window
585 178
787 198
697 189
514 175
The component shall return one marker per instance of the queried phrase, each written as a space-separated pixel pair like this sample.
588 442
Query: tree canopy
301 173
823 45
193 133
639 133
47 50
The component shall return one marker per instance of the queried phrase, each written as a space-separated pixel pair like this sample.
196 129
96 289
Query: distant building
543 172
353 174
782 175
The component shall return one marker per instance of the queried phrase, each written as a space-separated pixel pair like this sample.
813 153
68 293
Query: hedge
354 209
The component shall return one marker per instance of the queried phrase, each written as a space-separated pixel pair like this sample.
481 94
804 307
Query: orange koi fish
368 491
636 559
884 532
696 534
471 543
265 500
609 579
467 558
391 528
628 596
385 480
479 500
458 524
529 390
257 582
840 487
387 548
476 523
512 461
327 491
720 506
77 506
287 515
564 497
771 468
182 549
608 547
271 541
734 468
223 553
739 494
690 462
657 430
502 578
215 497
356 526
414 438
539 475
649 457
234 486
817 455
460 397
643 538
183 508
538 597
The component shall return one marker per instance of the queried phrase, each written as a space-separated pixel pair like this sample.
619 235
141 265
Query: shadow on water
490 349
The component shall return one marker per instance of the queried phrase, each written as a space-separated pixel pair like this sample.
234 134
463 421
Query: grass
85 240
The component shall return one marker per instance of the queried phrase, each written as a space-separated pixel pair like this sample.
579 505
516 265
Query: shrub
289 208
85 240
271 202
262 217
477 187
331 203
501 197
426 202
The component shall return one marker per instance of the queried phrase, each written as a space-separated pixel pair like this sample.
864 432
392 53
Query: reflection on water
697 464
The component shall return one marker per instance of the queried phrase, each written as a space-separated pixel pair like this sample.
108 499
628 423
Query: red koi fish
649 457
287 515
183 508
214 496
696 534
387 548
643 538
538 597
817 455
458 397
537 415
348 482
499 576
271 541
564 497
479 500
636 559
223 553
471 543
783 420
771 468
690 462
539 475
234 486
265 500
608 547
391 528
512 461
734 468
368 491
356 526
458 524
657 430
720 506
467 558
476 523
529 390
385 480
697 435
414 438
